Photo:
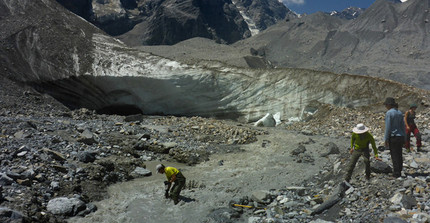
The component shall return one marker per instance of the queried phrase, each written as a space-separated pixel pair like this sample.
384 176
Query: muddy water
266 164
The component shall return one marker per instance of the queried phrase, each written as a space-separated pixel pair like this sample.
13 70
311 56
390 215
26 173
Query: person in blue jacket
395 134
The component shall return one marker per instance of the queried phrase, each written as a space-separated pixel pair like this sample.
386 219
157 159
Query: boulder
380 167
261 196
332 149
65 206
139 172
87 137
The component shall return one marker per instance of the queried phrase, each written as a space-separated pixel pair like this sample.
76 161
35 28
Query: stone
65 206
394 220
139 172
86 157
54 154
396 199
301 191
380 167
332 149
261 196
87 137
300 149
414 164
408 201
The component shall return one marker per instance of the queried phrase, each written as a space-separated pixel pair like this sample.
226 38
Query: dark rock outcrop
164 22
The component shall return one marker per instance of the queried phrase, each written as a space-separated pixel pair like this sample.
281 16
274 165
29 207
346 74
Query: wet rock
140 172
90 207
305 158
65 206
300 149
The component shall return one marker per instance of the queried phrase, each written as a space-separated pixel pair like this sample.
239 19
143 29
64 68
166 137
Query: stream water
263 165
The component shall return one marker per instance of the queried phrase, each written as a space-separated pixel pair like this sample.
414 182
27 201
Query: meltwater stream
263 165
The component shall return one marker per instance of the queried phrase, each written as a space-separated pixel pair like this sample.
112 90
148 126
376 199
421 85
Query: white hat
158 167
360 128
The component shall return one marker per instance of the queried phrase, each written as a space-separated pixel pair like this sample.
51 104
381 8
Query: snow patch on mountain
251 24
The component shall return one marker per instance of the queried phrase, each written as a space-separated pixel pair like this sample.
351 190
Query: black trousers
395 145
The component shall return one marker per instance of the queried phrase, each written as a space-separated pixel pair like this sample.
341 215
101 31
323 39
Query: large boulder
65 206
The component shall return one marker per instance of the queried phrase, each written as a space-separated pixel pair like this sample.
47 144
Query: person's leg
366 157
173 191
395 145
417 135
354 158
176 190
408 139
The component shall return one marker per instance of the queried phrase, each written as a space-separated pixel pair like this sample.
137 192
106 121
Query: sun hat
158 167
390 101
413 105
360 128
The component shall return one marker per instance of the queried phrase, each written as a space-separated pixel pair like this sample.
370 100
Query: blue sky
311 6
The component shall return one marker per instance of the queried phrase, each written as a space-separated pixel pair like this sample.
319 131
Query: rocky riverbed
59 165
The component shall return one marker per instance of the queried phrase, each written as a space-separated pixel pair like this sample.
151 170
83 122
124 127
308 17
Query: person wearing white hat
360 140
173 176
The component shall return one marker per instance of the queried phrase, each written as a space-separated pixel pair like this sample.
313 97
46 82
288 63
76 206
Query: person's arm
375 150
387 128
403 130
405 119
173 178
352 143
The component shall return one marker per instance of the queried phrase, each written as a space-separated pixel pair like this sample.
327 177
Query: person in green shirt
360 140
173 176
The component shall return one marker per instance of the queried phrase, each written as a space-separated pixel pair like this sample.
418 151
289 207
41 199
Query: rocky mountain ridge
161 22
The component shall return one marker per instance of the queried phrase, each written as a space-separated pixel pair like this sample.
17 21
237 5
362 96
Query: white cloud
293 2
